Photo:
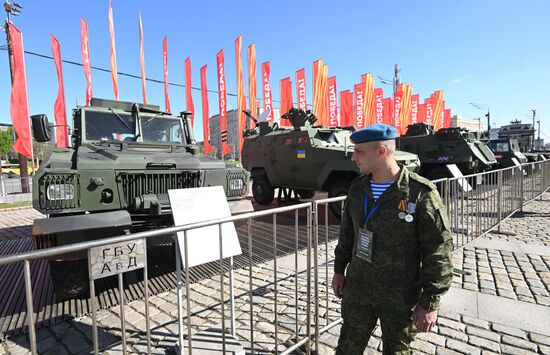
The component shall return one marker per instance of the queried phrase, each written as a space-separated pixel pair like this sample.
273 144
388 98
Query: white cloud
461 79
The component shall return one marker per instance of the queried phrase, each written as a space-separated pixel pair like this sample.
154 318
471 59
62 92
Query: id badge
364 249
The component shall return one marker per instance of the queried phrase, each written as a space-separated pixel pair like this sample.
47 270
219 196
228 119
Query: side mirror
41 128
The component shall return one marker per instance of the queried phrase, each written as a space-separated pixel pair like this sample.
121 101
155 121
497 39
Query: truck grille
59 191
146 183
235 188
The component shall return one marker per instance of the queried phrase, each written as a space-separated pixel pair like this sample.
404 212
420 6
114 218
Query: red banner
388 111
188 85
301 89
437 102
397 102
268 99
19 104
142 61
429 111
205 112
252 79
241 99
415 101
346 108
369 107
59 110
286 100
379 105
222 93
114 74
85 52
359 120
447 118
421 113
165 66
406 105
320 91
332 102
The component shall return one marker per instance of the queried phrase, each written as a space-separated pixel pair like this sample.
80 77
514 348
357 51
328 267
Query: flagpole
15 9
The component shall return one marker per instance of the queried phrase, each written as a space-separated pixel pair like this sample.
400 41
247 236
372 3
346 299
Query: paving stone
432 337
483 343
507 349
509 330
544 350
423 346
444 351
449 323
58 350
519 343
462 347
448 332
540 339
483 333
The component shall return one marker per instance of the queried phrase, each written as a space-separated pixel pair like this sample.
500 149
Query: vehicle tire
339 188
305 194
70 279
11 174
262 190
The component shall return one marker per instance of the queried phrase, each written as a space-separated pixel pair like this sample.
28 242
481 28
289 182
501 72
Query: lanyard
368 214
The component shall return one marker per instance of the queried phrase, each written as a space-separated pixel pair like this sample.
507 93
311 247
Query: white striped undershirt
378 189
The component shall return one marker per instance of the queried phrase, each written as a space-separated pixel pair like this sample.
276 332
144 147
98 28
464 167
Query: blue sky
493 53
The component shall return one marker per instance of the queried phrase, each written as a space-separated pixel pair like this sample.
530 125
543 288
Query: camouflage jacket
411 261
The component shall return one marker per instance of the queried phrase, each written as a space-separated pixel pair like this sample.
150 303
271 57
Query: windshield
499 147
121 126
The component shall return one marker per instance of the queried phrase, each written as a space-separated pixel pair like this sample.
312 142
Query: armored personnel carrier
446 146
305 158
115 178
505 150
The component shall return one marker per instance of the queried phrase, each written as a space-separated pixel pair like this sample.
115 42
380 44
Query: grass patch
15 204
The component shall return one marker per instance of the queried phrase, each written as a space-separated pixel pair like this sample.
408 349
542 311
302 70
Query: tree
6 143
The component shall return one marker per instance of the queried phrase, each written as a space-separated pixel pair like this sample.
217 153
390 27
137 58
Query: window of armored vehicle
104 125
328 137
515 146
499 147
161 129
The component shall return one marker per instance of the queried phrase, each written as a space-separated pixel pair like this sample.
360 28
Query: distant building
523 132
539 144
5 126
472 125
232 133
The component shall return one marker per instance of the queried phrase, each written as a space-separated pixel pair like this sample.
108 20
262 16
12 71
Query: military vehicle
505 150
304 158
115 178
446 146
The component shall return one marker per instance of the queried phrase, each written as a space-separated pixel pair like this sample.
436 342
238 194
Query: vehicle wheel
305 194
339 188
70 279
11 174
262 190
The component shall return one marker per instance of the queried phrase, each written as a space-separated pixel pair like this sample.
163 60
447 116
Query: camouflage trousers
359 323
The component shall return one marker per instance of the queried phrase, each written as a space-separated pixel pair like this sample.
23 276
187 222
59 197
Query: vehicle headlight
60 192
236 184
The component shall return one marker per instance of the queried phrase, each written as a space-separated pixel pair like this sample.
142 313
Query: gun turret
299 117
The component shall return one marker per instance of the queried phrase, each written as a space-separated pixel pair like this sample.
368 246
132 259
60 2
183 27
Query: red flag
19 104
252 92
447 118
241 99
205 112
379 105
222 93
85 52
332 102
421 113
165 64
359 121
368 103
301 89
286 99
429 110
346 108
268 103
114 75
437 104
415 101
142 61
188 85
320 91
60 112
406 105
397 97
388 111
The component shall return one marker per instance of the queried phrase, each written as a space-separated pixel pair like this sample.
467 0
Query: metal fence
276 296
12 190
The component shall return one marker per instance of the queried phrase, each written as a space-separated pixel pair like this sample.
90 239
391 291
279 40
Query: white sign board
518 165
198 205
116 258
455 171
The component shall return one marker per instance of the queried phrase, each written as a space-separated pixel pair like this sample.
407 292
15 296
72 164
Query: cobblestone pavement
497 265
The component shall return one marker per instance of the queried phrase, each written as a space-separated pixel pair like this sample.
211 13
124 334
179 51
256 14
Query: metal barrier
11 189
493 197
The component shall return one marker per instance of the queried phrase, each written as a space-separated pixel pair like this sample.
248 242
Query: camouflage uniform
411 262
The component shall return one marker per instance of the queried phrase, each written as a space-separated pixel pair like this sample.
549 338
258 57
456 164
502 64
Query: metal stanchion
222 301
251 292
146 286
95 336
275 283
30 306
188 293
122 320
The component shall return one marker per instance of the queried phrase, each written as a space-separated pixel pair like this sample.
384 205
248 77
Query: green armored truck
446 146
305 158
505 150
115 178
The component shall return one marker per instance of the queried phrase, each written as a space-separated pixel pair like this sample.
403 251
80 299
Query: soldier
396 245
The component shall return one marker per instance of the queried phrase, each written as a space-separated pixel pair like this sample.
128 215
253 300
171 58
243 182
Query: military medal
402 208
409 218
401 215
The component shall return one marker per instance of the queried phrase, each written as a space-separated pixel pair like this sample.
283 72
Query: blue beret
374 132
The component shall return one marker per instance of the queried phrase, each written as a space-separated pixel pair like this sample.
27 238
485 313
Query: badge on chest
364 248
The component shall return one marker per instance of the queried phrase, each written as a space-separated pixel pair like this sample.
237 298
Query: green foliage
6 142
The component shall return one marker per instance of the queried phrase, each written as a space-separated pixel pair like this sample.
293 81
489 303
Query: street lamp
488 114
